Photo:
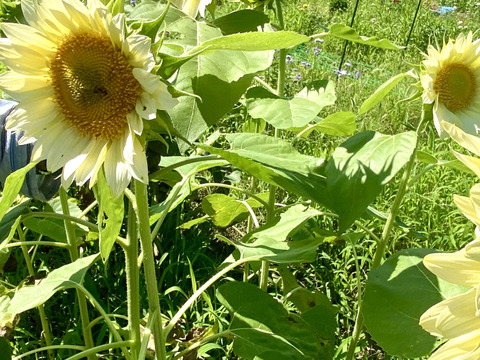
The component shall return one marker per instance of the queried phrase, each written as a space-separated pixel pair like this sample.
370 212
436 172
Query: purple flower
340 72
317 51
357 74
306 64
347 64
298 77
289 59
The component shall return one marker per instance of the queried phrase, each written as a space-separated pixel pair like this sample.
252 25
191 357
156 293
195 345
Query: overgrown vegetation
194 241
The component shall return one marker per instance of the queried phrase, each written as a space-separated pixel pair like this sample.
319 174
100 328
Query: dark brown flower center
94 85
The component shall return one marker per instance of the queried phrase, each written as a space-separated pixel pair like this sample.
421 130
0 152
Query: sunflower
192 7
456 318
83 88
451 80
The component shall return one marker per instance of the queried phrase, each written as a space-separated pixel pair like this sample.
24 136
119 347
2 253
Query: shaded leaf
399 292
263 329
241 21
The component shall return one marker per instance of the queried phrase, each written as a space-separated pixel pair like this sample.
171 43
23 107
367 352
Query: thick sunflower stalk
451 80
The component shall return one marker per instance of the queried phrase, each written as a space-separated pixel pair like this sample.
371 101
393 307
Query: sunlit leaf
111 212
290 113
383 91
12 187
360 167
276 162
347 33
65 277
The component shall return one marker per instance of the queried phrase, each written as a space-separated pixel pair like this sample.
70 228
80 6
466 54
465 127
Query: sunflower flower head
84 88
192 7
457 319
451 80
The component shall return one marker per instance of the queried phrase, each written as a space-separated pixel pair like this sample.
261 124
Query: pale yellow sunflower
83 88
192 7
457 318
451 80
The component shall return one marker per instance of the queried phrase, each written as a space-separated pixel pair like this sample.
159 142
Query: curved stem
149 268
68 217
105 316
41 308
73 250
201 289
96 349
47 348
46 243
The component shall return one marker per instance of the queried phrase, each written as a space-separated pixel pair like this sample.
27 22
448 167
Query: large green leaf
347 33
65 277
396 295
275 161
218 79
52 228
290 113
263 329
360 167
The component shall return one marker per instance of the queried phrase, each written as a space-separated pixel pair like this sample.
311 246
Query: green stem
52 215
105 316
73 250
149 268
47 348
96 349
41 308
282 66
29 243
133 281
384 240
